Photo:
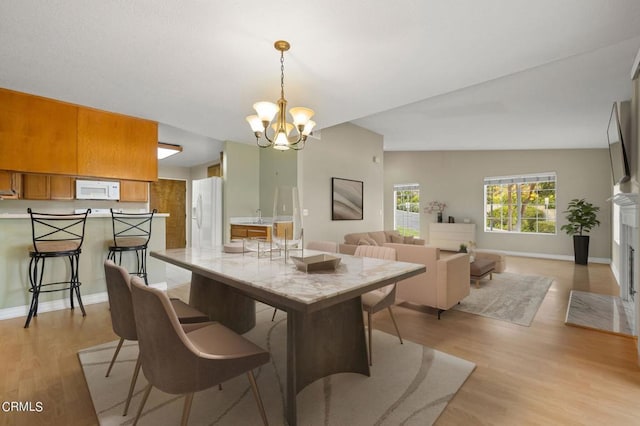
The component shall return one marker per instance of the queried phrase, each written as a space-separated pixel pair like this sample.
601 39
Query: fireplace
629 243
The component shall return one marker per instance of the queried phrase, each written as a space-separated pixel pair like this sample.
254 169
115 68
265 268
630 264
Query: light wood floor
546 374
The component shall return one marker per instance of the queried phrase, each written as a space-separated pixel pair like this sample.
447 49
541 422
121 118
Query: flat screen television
617 153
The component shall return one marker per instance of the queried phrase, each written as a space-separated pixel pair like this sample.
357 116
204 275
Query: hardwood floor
545 374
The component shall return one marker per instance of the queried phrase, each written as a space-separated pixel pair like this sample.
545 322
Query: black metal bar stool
131 232
55 235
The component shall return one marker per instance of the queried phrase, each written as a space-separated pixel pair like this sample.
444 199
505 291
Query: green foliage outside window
521 207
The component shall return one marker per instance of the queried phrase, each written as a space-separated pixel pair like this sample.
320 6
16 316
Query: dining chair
379 299
179 363
123 317
326 246
55 236
131 233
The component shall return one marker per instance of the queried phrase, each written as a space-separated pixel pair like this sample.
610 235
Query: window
525 203
406 212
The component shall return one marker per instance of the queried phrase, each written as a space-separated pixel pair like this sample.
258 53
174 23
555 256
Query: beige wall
277 168
344 151
456 178
241 187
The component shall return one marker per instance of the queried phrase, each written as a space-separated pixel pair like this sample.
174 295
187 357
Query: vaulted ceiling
426 74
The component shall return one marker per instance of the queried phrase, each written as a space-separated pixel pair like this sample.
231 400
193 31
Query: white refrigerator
206 212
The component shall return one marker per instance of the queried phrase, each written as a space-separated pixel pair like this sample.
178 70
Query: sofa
445 283
377 238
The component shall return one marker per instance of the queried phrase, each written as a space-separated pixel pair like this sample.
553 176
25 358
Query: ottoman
480 268
497 257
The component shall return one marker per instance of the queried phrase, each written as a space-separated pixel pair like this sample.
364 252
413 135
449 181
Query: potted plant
582 217
463 248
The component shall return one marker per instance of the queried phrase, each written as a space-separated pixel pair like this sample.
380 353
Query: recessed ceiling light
166 150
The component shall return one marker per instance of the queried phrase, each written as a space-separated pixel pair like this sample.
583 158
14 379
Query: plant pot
439 217
581 249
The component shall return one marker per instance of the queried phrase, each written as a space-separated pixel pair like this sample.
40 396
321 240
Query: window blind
505 180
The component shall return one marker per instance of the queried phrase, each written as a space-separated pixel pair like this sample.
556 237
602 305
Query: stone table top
281 284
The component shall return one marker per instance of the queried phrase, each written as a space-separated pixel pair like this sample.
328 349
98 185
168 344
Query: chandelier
266 111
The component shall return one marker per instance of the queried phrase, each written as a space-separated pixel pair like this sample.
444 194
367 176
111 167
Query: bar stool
131 232
55 235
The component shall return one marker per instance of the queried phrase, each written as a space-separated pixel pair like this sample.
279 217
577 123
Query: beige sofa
378 238
446 282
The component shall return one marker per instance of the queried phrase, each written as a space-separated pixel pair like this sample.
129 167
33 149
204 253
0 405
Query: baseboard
616 273
602 260
63 303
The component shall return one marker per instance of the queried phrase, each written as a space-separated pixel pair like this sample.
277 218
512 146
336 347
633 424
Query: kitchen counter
250 221
90 216
15 229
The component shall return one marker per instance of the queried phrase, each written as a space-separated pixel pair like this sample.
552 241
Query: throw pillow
398 239
372 242
408 240
366 241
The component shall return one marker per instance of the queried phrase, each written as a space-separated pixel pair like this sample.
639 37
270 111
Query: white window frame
406 187
518 180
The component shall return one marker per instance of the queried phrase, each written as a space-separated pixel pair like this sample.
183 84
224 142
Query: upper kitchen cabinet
116 146
36 134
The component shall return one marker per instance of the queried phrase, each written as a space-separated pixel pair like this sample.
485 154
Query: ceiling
426 74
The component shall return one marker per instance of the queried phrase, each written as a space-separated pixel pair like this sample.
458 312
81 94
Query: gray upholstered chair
123 319
379 299
179 363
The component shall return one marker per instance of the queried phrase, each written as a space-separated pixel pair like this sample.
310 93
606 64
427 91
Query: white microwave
97 190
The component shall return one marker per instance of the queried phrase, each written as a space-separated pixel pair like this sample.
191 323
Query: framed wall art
346 199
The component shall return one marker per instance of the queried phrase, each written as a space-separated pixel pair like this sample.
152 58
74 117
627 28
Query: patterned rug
508 297
410 384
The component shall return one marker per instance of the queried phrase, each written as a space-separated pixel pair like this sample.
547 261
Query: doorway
169 196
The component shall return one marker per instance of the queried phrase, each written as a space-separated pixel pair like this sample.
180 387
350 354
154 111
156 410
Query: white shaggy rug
410 384
508 297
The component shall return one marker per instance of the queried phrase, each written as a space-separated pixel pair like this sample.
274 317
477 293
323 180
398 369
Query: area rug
599 312
508 297
410 384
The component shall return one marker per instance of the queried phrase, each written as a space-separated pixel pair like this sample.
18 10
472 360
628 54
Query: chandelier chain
282 74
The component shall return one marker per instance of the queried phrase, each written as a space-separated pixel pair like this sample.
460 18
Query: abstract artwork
346 199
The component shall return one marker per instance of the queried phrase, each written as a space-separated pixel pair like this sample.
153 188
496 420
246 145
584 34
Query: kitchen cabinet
134 191
116 146
9 185
47 187
62 187
251 231
37 134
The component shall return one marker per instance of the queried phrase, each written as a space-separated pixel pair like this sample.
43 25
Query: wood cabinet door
61 187
35 187
239 231
37 134
9 185
116 146
131 190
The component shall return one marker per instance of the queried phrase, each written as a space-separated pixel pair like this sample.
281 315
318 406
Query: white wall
456 178
345 151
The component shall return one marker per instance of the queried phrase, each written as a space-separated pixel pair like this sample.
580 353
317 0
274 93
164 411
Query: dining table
325 326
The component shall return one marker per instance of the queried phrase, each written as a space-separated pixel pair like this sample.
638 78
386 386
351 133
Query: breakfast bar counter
15 232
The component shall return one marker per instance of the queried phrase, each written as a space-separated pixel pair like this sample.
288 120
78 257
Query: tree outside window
525 204
406 212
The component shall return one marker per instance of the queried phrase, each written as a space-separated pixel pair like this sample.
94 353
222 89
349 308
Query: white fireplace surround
628 203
